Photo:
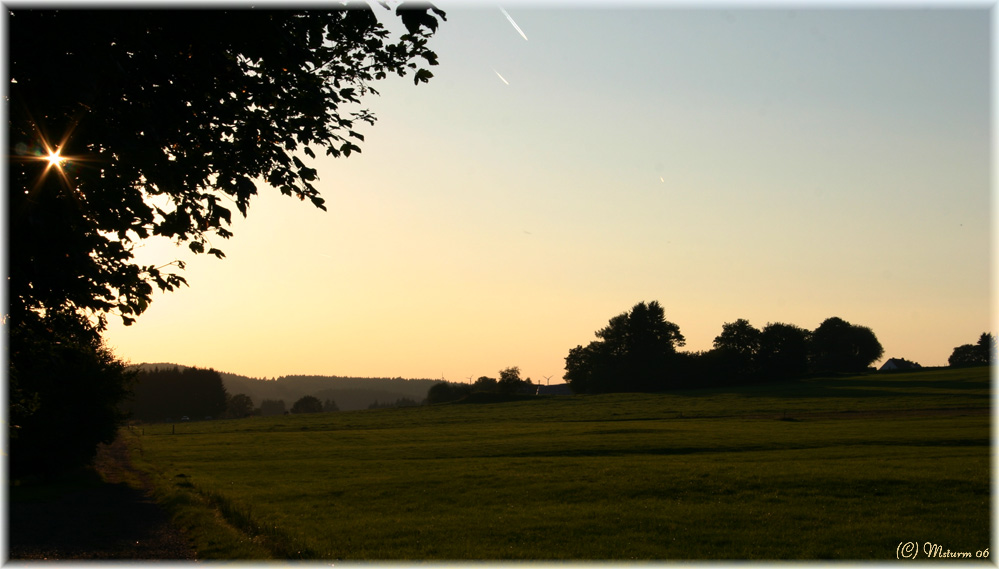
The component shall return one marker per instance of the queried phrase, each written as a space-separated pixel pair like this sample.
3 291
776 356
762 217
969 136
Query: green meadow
825 468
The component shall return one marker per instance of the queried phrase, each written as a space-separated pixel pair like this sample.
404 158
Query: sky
786 164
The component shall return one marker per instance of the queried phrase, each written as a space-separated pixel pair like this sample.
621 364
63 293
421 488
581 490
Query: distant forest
349 393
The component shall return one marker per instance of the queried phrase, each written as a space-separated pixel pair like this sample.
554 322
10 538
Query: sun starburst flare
50 152
54 159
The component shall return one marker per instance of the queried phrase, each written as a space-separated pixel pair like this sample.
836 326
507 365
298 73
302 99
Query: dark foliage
401 402
783 352
838 346
172 393
444 392
238 406
744 355
307 404
64 394
510 382
272 407
349 393
486 385
981 353
736 352
166 119
127 124
636 352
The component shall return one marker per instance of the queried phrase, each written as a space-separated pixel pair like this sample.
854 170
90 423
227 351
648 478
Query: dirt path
94 519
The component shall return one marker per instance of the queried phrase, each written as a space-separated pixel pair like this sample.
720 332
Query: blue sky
778 165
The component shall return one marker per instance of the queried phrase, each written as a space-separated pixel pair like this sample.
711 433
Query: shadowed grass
610 477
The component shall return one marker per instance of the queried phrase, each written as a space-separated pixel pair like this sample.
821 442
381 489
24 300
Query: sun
54 159
42 150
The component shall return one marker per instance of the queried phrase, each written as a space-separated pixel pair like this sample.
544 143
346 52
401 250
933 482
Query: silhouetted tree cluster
172 393
401 402
981 353
348 393
307 404
838 346
508 382
486 385
64 390
272 407
447 391
637 352
329 406
238 406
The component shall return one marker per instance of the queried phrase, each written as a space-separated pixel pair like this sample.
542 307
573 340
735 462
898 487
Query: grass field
827 468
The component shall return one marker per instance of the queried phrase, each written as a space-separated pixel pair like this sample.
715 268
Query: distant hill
349 393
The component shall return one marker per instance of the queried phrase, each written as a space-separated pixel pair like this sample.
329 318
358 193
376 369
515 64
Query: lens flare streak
514 24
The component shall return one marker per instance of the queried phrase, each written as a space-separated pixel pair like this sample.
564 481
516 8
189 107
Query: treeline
637 351
350 393
980 353
162 394
305 404
402 402
509 382
171 393
311 404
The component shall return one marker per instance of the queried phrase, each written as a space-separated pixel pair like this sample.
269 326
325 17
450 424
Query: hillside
349 393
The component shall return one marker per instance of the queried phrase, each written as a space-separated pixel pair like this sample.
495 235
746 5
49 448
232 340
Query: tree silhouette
510 382
634 353
64 389
307 404
127 124
987 346
239 406
838 346
981 353
486 384
272 407
171 393
736 351
445 391
783 351
164 119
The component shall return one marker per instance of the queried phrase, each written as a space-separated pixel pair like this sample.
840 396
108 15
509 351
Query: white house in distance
895 364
